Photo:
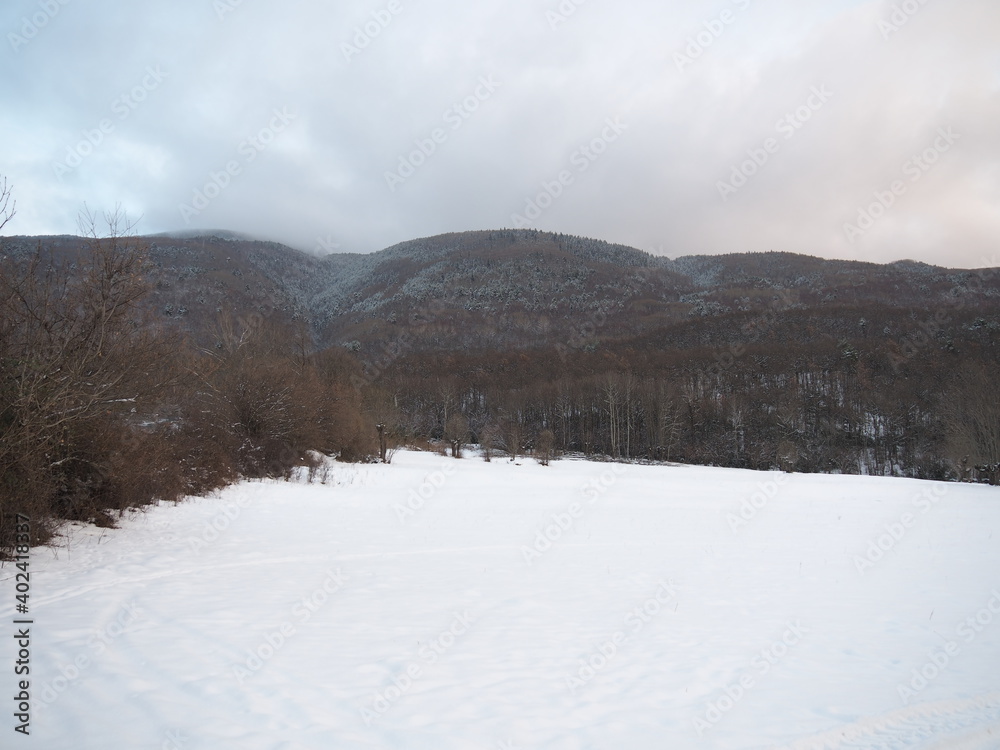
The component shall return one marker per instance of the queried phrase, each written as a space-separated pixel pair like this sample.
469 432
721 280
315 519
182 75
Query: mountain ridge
511 288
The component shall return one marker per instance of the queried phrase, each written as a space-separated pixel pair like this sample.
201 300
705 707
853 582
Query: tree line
822 407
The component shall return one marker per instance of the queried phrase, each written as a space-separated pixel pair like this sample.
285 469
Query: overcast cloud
662 125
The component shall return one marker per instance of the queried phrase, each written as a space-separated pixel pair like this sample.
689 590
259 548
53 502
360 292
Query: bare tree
613 400
564 410
380 406
513 435
489 437
456 432
545 446
668 421
629 405
78 366
973 419
447 393
8 206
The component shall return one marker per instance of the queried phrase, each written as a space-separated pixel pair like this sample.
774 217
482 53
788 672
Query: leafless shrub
545 446
456 432
973 423
489 439
79 368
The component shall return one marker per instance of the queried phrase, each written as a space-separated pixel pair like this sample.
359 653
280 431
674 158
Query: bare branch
7 204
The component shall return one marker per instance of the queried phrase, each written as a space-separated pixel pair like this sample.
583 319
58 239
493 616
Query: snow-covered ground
439 604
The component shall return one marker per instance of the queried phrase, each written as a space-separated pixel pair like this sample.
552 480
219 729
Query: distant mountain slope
195 278
523 288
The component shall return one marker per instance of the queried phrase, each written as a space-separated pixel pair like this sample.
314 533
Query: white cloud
655 188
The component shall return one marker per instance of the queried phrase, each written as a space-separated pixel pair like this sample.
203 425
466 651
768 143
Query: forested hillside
141 368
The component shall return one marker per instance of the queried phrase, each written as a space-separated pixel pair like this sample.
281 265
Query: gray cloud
145 104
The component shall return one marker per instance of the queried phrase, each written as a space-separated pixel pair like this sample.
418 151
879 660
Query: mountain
526 339
519 289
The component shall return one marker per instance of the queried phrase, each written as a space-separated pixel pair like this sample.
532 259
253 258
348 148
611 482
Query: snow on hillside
440 604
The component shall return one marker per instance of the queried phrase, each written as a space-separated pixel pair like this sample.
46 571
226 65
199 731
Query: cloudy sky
862 129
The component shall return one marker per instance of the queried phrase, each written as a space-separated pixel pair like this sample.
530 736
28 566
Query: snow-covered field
438 604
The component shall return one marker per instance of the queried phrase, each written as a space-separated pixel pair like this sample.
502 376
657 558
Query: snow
420 605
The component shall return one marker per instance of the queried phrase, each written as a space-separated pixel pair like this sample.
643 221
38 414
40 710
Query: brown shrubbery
266 402
79 367
972 419
101 411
